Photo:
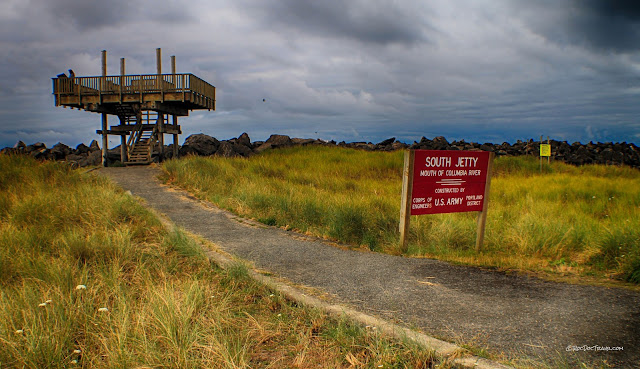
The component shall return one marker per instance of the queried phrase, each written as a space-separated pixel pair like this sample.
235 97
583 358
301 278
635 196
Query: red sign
448 181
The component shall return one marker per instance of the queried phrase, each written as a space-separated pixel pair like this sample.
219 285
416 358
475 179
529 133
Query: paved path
515 315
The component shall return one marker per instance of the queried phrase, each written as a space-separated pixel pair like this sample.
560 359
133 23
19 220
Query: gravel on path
512 316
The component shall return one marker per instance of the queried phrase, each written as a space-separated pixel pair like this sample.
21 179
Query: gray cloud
601 25
378 22
89 14
495 70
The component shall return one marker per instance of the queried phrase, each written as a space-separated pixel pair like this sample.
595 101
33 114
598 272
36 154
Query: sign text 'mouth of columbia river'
448 181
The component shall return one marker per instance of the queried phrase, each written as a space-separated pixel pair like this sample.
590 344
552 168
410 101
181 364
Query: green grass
575 221
89 278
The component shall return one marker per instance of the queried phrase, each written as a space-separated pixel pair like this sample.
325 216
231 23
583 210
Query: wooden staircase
140 145
140 153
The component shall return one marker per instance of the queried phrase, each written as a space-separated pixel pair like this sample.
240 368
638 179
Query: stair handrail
153 140
135 137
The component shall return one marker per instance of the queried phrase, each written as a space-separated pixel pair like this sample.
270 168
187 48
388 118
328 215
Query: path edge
441 348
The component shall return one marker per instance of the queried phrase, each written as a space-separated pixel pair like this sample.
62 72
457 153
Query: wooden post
161 135
105 123
482 216
175 117
405 207
159 60
123 137
540 155
548 157
160 122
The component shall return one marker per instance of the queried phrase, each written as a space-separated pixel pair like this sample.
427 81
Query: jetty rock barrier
607 153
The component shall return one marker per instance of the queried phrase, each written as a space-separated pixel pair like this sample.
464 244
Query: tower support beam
105 123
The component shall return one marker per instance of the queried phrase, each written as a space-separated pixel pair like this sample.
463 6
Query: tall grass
567 219
89 278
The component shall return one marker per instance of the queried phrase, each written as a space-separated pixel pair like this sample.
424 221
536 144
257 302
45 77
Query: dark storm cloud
600 25
377 22
83 15
608 24
94 14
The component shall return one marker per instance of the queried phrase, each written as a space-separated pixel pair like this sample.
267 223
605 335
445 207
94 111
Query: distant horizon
168 140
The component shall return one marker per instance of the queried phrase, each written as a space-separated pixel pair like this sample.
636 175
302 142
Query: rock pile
204 145
82 155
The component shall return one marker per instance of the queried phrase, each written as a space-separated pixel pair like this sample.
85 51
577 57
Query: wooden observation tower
142 103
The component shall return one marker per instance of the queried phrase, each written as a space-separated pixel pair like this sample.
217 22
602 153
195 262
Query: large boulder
274 141
440 143
242 150
38 150
279 141
200 144
60 151
225 149
244 140
81 149
93 159
303 141
93 146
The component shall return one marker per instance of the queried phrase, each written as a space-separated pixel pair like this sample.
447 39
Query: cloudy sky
356 70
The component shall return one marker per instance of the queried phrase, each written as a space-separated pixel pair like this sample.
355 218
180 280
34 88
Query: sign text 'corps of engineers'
448 181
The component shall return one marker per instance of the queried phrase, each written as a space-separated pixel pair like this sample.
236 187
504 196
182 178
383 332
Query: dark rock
10 151
263 147
81 149
225 149
386 142
37 150
199 144
93 159
399 146
76 158
303 141
38 146
93 146
440 143
113 154
487 147
20 145
242 150
244 139
279 141
274 141
60 151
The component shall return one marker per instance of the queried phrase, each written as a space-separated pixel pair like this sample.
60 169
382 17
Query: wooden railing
134 84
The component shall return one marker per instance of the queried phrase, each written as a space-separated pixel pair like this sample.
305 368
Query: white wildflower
81 287
19 331
74 361
48 302
42 304
103 310
279 314
76 351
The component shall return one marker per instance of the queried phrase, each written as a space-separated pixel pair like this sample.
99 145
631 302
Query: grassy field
565 221
89 278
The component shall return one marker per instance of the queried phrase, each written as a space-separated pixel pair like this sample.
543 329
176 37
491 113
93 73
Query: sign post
441 181
545 150
407 189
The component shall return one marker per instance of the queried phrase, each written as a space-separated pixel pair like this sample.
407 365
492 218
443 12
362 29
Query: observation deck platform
173 94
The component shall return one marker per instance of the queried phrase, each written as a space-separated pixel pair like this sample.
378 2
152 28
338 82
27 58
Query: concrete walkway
510 315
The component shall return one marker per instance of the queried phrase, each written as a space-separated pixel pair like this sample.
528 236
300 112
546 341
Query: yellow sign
545 150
